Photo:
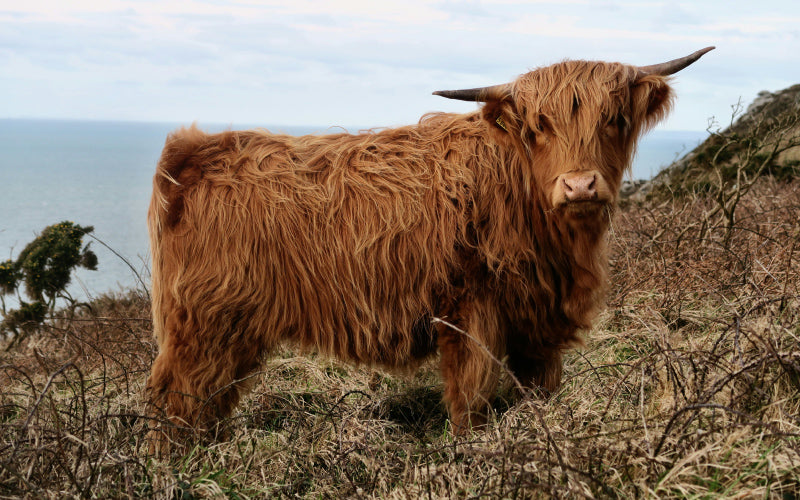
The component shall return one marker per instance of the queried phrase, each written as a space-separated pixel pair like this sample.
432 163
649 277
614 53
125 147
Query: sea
99 174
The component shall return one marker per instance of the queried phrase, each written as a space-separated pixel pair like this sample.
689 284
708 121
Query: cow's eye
616 125
544 124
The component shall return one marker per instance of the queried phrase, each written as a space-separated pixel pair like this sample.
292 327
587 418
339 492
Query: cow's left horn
672 67
481 94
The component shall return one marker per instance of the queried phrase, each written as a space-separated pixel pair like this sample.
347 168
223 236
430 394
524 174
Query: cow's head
576 123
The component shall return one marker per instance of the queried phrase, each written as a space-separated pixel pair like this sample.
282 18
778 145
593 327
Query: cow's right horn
481 94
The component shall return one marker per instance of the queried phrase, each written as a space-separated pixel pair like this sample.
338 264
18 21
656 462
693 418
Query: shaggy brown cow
494 220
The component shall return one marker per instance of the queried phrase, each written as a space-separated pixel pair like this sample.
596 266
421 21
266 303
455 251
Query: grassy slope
770 126
688 386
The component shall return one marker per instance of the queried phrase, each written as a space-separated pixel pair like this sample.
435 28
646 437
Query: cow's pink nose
580 187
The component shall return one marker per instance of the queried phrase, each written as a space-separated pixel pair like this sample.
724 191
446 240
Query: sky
361 64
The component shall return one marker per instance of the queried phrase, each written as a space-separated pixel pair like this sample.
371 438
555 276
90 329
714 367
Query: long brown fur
351 244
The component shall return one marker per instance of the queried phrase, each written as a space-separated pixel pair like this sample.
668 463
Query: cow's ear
652 99
501 115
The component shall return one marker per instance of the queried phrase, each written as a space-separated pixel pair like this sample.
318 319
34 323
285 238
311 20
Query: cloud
357 61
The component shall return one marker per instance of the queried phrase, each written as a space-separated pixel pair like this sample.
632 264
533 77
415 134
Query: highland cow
352 245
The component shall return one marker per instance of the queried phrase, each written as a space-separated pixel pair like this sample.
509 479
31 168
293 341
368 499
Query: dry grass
688 386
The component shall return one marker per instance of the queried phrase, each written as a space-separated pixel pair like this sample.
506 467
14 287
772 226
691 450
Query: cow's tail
178 169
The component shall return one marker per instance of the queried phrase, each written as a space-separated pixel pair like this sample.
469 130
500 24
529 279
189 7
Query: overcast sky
366 63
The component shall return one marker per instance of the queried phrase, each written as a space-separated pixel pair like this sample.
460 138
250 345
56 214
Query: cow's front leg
470 350
536 370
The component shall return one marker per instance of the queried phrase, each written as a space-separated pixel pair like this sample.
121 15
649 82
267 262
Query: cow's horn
481 94
672 67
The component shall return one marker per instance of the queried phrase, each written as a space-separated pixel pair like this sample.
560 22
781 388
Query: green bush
45 268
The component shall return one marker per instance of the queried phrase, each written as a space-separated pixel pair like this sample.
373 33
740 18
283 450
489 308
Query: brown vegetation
689 385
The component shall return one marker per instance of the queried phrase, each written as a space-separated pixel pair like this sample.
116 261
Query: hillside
764 139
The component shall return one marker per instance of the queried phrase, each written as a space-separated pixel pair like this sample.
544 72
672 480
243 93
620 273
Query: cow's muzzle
581 193
579 187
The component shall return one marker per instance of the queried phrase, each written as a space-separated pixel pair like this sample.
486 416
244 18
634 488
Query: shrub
45 268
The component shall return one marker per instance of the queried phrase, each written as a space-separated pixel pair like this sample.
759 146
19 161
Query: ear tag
501 123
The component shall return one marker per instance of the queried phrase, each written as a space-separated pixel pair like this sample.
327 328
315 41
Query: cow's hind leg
470 366
198 376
